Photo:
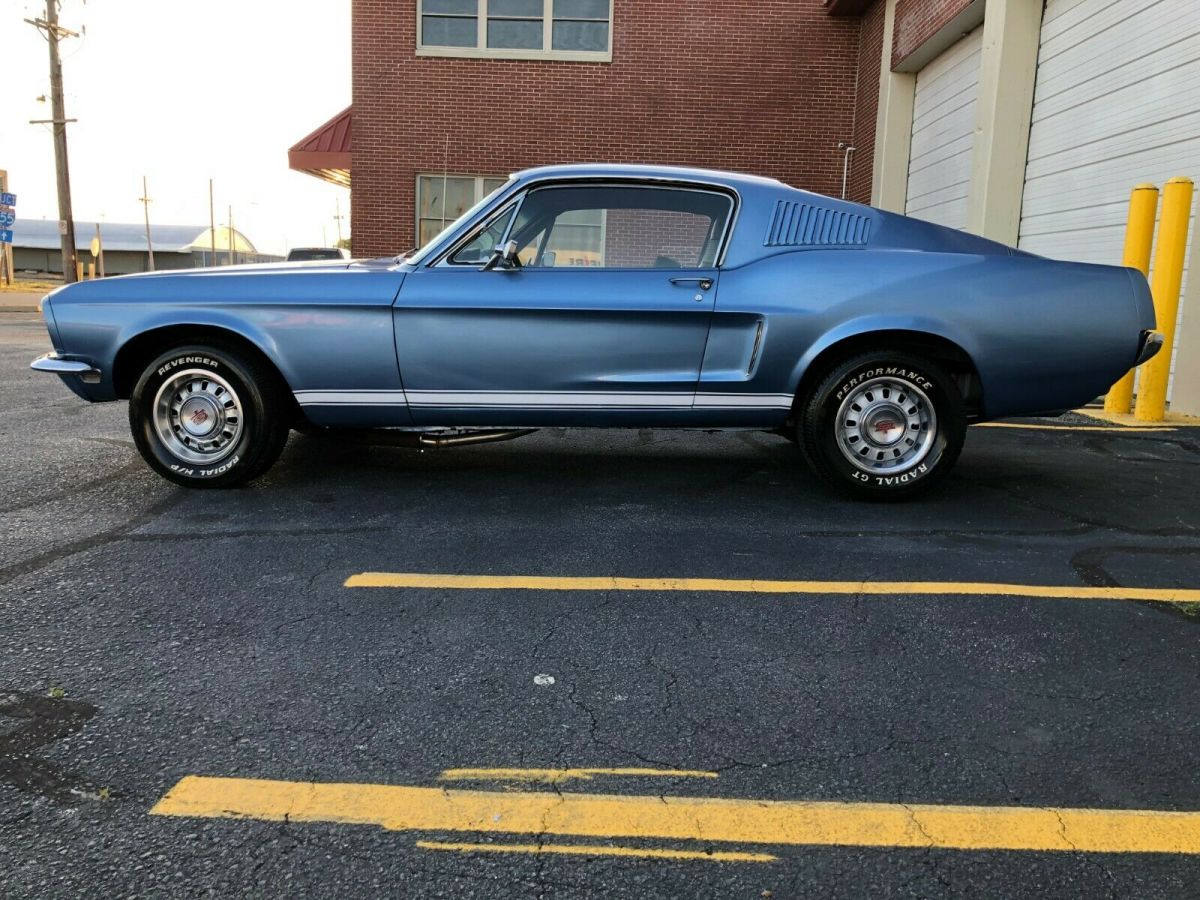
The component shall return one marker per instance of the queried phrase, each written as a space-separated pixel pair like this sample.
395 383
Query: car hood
245 280
248 269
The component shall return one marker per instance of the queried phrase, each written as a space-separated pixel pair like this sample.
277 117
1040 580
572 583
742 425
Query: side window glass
576 239
621 227
532 249
478 250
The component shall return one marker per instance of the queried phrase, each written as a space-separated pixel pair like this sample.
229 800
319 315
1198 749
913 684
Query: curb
20 301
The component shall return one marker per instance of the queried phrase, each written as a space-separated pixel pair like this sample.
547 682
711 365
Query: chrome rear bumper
55 364
1152 342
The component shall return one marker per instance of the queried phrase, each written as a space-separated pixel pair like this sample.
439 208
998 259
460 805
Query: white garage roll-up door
1117 103
939 167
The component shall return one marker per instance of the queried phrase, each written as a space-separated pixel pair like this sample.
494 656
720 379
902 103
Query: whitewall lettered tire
208 415
883 425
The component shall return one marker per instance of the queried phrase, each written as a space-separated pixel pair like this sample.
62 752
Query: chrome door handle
704 282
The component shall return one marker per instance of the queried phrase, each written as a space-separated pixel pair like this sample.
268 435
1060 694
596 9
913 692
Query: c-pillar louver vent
797 224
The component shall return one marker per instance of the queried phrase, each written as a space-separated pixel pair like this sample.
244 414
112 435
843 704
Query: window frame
511 209
480 193
441 258
546 52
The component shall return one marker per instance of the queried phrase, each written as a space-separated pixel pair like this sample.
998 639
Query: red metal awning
325 153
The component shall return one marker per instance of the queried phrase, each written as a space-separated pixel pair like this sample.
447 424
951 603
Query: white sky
180 92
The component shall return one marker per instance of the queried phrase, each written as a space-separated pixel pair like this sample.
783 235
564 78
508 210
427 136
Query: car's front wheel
883 425
208 415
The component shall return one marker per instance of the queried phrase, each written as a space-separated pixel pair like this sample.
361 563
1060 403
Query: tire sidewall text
933 383
148 386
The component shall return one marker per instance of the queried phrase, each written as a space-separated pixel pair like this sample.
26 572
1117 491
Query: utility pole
212 225
66 223
337 209
145 199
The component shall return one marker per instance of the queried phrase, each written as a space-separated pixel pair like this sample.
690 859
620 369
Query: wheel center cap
198 416
885 427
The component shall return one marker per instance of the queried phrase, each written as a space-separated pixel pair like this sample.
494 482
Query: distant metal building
37 247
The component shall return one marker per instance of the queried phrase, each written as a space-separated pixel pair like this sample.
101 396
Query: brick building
1027 121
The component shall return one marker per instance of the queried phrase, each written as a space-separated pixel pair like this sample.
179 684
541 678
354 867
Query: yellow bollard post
1139 238
91 271
1168 279
79 270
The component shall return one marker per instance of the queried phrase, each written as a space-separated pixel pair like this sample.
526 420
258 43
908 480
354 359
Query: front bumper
58 365
1151 343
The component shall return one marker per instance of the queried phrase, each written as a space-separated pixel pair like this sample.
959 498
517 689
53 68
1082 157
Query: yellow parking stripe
745 821
1127 420
557 776
586 850
756 586
1128 429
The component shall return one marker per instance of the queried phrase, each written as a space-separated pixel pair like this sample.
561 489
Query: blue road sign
6 236
8 199
7 218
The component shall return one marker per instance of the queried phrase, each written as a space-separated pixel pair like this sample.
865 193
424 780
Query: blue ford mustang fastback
623 296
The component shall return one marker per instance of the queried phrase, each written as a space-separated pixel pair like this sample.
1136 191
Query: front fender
227 319
98 333
326 330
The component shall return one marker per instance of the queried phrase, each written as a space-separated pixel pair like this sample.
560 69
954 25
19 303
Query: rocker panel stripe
545 399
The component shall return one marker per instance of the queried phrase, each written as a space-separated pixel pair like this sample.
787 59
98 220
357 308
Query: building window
579 30
443 198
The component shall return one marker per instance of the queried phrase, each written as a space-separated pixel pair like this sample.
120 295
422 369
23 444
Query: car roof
616 170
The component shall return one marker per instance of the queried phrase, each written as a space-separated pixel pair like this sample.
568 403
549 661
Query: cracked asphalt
172 633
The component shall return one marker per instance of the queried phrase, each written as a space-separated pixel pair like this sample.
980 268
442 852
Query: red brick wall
866 103
766 87
919 20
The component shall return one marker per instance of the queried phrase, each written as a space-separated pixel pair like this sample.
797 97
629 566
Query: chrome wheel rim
886 426
198 416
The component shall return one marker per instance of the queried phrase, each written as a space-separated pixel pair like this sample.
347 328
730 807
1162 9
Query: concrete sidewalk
20 300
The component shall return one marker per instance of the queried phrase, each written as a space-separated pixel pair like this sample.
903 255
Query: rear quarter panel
1044 335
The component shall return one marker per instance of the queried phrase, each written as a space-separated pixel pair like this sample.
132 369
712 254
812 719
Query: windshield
305 254
417 255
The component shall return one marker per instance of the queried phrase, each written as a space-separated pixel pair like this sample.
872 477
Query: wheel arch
136 352
931 343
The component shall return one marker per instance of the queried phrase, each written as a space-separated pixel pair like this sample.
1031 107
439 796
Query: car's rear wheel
883 425
208 415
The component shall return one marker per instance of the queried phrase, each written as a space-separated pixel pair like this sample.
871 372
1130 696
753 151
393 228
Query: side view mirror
504 258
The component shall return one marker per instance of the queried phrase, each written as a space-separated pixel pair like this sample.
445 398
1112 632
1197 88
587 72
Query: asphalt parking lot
206 693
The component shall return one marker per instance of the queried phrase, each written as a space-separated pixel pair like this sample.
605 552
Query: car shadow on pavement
1031 481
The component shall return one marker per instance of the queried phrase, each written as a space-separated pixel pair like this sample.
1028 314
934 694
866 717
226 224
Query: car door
599 317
